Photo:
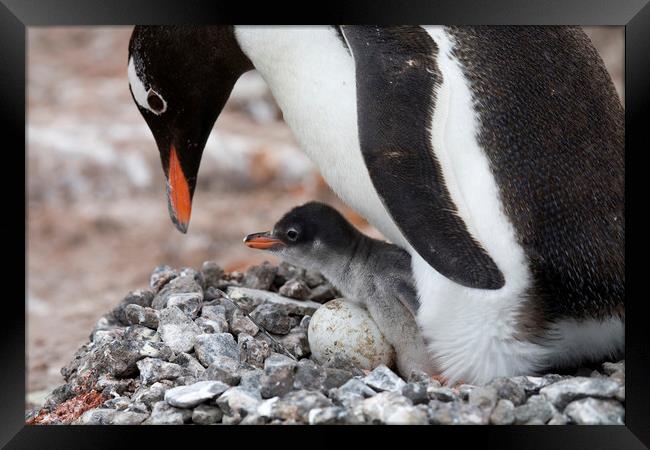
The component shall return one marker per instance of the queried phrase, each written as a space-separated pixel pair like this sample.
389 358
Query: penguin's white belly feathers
470 331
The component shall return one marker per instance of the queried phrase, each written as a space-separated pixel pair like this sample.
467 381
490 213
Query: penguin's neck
350 271
311 75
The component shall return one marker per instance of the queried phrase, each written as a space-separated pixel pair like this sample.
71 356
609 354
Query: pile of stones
180 352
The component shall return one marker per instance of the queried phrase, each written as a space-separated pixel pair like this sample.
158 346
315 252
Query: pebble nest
180 353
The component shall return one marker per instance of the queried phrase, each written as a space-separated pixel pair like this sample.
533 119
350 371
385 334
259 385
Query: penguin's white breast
312 77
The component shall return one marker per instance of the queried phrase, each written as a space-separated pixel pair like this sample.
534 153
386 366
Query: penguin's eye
292 234
156 102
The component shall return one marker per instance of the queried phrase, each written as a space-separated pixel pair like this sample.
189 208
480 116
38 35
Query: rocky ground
179 352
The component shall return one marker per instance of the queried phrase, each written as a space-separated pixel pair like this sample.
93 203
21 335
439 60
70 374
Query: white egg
342 333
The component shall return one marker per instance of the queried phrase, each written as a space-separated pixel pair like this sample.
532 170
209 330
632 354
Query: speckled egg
342 333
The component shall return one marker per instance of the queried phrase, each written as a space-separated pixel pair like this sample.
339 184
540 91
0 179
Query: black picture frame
17 15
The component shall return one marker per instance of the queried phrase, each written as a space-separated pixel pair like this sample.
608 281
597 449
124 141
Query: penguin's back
552 128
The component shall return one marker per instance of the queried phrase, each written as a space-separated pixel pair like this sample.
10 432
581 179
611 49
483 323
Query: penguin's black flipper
396 75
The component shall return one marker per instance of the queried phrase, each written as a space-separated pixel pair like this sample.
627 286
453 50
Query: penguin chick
376 274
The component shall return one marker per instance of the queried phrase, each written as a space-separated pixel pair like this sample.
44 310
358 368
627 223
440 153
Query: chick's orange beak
178 193
262 241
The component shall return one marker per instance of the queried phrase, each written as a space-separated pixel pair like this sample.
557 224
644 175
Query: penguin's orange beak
262 241
178 193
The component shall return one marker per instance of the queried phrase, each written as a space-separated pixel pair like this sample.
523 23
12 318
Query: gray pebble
224 369
509 390
165 414
296 342
260 277
160 276
177 330
209 346
503 413
111 417
456 413
278 375
295 288
592 411
416 392
238 401
190 303
273 319
191 365
211 273
336 377
442 394
253 351
150 394
537 407
309 376
323 293
383 379
206 415
485 397
296 405
179 285
558 419
153 369
208 326
140 297
138 315
330 415
242 324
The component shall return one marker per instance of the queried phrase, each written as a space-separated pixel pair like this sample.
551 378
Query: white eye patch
146 98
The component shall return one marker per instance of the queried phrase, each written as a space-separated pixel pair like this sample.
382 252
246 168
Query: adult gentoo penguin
493 155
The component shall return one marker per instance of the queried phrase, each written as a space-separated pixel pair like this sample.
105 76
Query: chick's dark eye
155 102
292 234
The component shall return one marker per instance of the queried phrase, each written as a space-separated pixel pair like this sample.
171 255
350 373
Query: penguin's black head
307 234
180 78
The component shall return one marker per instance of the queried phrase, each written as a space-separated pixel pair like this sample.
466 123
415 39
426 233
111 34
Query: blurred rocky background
97 214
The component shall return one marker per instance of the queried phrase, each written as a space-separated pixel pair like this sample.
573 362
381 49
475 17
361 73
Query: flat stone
255 297
111 417
179 285
153 369
537 407
177 330
194 394
209 346
165 414
206 415
383 379
592 411
565 391
190 303
509 390
224 369
503 413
